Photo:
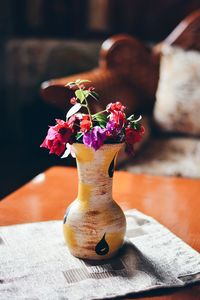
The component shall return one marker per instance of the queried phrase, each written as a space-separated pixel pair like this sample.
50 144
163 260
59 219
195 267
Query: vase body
94 224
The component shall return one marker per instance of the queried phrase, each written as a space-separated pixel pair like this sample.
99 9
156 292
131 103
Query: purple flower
95 137
113 128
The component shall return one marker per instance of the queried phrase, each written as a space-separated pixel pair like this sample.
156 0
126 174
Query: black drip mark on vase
102 248
66 214
111 167
65 219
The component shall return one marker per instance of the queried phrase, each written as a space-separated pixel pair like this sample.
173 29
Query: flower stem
86 105
89 111
100 112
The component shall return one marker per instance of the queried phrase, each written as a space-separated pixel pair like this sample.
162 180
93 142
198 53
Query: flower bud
73 100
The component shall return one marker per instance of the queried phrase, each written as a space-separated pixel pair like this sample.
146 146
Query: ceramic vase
94 224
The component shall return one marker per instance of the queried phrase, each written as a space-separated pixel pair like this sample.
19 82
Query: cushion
168 156
177 107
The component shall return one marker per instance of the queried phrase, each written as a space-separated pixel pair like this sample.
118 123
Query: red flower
118 117
85 124
117 106
133 136
142 130
64 130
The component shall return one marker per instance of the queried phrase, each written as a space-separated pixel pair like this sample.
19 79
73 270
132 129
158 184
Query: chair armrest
186 34
127 70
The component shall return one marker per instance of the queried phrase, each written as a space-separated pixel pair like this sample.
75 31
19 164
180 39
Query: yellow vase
94 224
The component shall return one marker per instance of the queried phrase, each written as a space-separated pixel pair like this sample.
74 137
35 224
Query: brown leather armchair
128 70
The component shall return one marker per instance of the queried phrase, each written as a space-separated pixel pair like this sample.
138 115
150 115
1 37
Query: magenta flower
95 137
57 137
55 146
52 133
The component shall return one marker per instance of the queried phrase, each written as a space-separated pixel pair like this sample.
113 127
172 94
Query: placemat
36 264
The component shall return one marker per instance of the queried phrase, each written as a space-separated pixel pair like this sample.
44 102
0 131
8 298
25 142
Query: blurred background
43 39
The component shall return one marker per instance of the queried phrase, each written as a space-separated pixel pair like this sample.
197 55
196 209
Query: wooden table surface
174 202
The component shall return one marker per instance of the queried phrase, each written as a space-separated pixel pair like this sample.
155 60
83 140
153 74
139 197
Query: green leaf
136 126
79 135
80 95
86 93
83 81
77 81
101 119
94 95
131 118
135 123
72 83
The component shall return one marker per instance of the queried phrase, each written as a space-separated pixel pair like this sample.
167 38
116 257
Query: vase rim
103 146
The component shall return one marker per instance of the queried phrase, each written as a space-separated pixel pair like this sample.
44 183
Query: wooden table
172 201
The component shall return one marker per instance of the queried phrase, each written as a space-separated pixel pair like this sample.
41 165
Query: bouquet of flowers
109 126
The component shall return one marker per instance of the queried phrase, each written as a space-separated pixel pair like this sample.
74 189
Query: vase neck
95 172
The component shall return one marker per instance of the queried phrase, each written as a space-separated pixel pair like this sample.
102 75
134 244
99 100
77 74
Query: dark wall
149 20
